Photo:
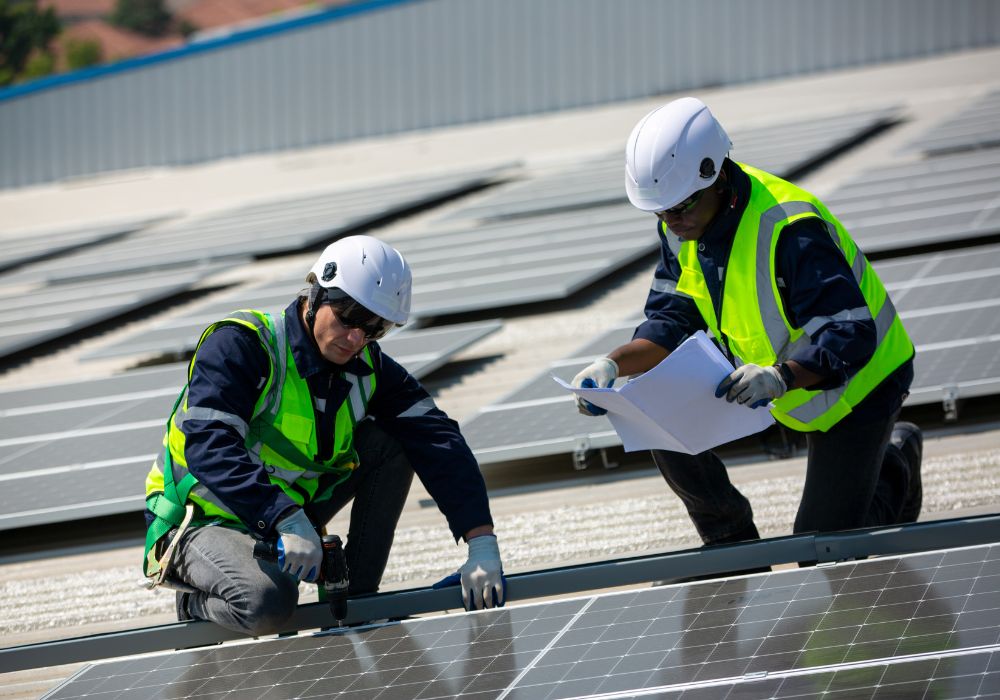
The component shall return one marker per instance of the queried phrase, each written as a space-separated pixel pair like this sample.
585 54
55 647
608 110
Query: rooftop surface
91 587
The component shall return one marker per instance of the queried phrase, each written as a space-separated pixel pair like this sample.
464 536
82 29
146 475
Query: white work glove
752 385
482 574
602 372
299 550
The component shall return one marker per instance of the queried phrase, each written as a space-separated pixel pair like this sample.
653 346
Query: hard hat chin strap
317 295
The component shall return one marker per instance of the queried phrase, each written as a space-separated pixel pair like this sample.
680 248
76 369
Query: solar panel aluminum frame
821 548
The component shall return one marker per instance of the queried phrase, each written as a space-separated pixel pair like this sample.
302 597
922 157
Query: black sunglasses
351 314
687 205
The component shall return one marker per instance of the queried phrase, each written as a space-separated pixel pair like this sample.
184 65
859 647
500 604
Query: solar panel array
21 248
975 126
81 449
288 225
782 149
42 314
106 275
506 263
949 303
940 200
488 267
527 261
924 625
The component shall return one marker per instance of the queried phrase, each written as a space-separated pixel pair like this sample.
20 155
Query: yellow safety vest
281 435
754 322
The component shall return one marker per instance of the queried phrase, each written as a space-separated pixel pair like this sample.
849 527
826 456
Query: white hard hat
673 152
369 271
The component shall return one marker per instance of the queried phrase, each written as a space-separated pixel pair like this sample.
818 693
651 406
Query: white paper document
673 405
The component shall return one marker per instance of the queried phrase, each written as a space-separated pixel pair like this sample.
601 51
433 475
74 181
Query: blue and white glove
752 385
602 372
481 576
299 548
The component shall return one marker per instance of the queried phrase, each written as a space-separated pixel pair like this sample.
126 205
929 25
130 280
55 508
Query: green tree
81 53
149 17
25 34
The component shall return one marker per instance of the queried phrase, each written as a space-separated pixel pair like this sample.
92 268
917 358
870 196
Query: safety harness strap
167 507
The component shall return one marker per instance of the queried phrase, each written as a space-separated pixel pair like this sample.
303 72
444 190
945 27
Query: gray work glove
481 575
602 372
752 385
299 550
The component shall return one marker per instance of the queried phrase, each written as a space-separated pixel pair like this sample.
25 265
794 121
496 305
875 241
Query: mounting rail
705 561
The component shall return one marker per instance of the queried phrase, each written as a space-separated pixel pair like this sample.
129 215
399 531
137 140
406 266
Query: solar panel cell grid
127 440
96 391
972 322
873 628
22 429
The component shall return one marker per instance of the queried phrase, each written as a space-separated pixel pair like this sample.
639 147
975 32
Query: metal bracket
605 462
581 453
950 403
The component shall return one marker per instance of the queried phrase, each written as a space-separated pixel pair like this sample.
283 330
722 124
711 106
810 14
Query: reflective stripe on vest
754 323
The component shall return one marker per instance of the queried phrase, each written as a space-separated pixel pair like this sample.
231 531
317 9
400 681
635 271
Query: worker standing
286 419
777 280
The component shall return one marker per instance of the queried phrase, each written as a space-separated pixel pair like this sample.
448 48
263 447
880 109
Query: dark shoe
182 612
909 440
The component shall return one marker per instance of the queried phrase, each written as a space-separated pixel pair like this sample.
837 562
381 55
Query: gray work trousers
240 593
854 478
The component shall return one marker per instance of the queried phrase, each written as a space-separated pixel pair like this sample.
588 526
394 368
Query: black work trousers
854 478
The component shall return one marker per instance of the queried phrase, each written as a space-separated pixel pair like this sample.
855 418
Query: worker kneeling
283 421
778 281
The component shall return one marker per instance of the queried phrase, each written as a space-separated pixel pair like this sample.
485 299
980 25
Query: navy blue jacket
229 374
814 281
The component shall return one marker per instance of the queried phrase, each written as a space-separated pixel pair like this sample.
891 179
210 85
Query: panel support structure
705 561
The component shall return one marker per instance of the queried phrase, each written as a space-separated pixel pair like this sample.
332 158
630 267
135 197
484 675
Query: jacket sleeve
433 443
671 316
230 371
822 297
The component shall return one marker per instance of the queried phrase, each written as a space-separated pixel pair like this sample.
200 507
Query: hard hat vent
706 169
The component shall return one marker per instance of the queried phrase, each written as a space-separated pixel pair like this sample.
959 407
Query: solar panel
488 267
21 248
286 225
782 149
179 334
940 200
538 418
81 449
32 318
922 625
523 261
975 126
948 301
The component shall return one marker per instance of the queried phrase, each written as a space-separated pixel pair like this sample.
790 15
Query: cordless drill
333 572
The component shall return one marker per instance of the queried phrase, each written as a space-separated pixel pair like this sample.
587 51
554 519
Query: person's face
336 342
690 219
